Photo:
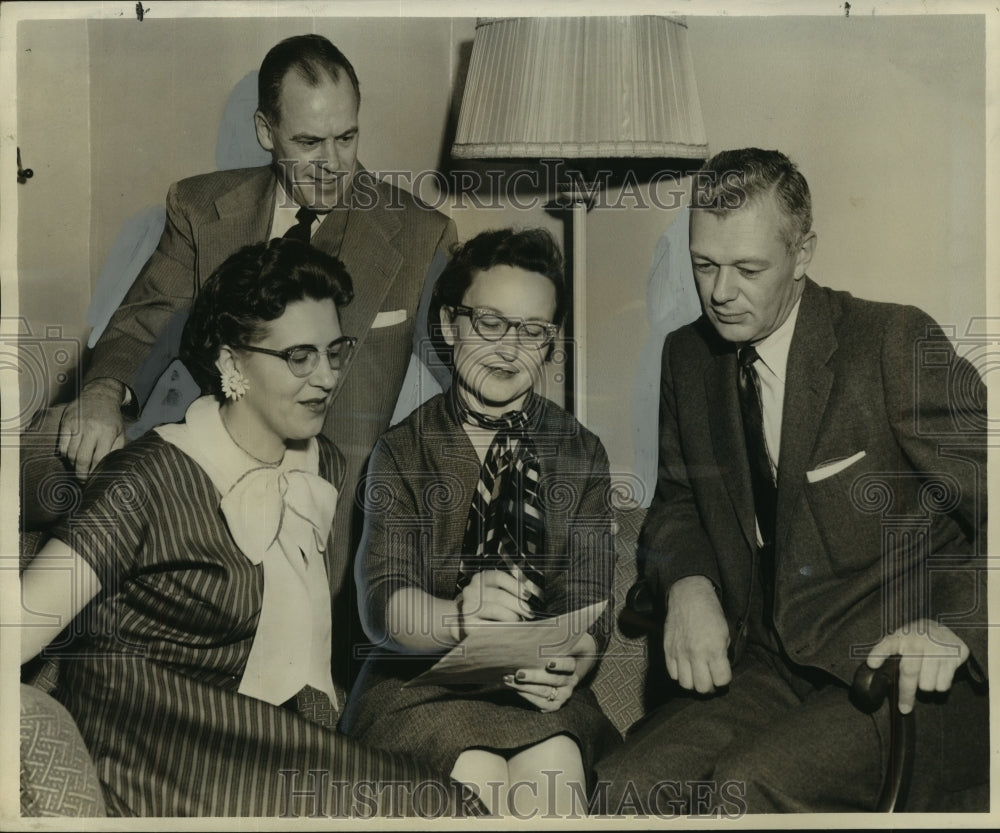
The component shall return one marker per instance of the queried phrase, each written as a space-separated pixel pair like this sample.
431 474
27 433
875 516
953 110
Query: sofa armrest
58 777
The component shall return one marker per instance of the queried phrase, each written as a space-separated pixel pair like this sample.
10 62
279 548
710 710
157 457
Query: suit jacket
392 247
864 542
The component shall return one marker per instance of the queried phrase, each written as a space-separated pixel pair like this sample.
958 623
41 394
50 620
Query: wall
53 206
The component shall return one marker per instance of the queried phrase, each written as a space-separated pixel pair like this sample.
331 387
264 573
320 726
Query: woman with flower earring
198 668
488 504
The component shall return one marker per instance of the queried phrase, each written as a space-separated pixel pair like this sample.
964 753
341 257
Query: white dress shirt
771 369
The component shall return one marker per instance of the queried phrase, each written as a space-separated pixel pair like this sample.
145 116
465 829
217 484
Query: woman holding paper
487 507
200 672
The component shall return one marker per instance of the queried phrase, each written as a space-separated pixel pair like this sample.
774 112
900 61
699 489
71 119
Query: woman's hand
496 596
549 688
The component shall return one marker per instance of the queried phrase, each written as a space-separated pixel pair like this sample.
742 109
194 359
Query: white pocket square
387 318
830 469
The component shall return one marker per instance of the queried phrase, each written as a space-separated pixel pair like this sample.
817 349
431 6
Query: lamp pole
576 364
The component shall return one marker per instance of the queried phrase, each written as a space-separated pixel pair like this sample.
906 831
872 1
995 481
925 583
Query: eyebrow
502 314
743 261
309 137
312 346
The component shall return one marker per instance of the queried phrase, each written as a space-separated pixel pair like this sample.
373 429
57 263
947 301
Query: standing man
315 189
820 499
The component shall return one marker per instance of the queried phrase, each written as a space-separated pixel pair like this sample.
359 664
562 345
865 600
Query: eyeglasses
303 359
492 326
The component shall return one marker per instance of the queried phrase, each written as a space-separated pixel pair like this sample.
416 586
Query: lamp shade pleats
580 87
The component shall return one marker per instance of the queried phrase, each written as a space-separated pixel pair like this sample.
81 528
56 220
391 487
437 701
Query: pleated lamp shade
580 87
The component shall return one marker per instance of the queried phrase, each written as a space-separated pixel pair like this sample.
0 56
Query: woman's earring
234 384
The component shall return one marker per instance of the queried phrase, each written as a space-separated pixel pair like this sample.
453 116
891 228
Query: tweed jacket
881 514
418 492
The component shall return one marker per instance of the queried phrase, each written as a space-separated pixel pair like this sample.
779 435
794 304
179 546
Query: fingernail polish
551 666
508 679
521 676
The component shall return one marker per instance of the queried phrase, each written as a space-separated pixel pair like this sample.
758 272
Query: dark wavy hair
533 249
251 288
312 57
733 178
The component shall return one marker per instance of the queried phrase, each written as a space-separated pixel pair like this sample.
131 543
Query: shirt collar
773 350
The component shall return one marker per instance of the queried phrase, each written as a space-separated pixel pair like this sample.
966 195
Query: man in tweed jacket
873 427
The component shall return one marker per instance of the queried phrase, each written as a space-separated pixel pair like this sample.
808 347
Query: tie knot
747 355
306 216
510 423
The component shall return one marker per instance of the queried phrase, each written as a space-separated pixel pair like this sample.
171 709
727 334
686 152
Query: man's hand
92 426
930 655
696 636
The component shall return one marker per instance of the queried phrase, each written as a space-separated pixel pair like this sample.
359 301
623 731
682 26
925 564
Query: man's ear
804 255
263 128
448 326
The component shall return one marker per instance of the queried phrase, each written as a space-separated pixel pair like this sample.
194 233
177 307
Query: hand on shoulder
92 425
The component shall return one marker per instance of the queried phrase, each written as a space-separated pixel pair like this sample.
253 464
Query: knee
556 753
740 781
630 783
486 773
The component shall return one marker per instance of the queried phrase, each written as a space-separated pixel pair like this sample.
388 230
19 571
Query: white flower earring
234 384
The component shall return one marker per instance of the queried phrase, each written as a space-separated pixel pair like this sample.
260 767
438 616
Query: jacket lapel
727 438
244 216
371 253
807 388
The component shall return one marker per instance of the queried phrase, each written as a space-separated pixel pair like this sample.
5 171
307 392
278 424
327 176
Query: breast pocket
386 350
849 508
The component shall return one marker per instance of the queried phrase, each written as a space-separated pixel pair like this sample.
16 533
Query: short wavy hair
734 178
251 288
533 249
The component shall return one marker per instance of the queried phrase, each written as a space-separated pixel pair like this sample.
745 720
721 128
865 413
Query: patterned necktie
505 529
765 492
302 230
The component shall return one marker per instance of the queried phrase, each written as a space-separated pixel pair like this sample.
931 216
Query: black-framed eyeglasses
493 326
303 359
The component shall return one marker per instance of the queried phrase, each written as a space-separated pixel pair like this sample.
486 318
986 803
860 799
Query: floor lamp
580 89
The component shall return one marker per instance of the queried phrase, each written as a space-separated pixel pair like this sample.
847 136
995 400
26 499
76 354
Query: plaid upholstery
620 682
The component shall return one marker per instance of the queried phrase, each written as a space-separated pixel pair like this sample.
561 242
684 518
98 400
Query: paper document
491 650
